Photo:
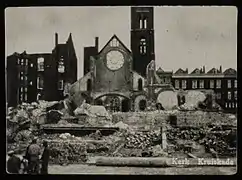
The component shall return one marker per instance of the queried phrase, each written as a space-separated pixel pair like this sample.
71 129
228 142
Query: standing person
45 158
32 154
13 163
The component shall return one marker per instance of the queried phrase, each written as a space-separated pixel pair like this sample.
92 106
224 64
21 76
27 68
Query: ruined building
41 76
127 80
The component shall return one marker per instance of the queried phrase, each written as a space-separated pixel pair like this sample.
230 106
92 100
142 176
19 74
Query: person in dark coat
45 158
13 163
32 155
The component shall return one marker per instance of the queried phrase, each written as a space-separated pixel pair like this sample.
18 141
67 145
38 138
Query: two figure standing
32 166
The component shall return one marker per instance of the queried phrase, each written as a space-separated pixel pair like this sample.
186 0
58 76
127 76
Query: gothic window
22 61
194 84
114 43
235 83
177 84
60 85
184 84
140 84
26 97
232 105
26 62
89 85
236 105
218 84
40 83
229 95
229 83
142 46
61 67
40 64
201 84
229 105
140 23
211 83
226 105
26 90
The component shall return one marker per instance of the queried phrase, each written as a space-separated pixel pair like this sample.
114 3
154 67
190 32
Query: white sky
185 37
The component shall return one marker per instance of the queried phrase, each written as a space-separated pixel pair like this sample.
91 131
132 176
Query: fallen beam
163 162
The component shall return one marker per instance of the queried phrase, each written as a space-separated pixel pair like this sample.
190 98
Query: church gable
114 43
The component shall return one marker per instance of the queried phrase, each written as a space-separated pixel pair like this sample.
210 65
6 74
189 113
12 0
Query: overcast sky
185 37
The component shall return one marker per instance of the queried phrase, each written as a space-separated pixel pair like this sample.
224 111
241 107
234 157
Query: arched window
142 105
145 23
140 84
89 85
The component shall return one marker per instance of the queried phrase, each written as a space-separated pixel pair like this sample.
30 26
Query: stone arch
125 105
137 102
142 104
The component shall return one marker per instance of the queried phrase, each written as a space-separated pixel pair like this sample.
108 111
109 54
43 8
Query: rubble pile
142 140
213 138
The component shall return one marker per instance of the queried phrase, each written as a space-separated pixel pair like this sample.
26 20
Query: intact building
41 76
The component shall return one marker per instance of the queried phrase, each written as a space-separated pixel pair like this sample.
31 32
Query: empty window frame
218 83
40 64
40 83
229 83
218 95
60 85
201 84
142 46
61 66
211 83
229 95
177 84
235 83
194 84
184 84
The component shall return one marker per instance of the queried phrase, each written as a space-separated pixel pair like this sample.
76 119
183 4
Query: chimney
96 43
186 70
203 69
220 69
56 39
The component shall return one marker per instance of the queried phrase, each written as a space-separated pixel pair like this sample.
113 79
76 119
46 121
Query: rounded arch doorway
142 105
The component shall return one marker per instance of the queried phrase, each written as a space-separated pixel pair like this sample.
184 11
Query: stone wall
154 120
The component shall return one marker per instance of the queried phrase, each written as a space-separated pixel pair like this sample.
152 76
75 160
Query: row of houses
223 83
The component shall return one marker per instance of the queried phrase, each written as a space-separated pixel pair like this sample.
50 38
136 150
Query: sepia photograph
123 90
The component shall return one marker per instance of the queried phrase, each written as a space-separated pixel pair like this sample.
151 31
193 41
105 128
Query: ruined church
121 79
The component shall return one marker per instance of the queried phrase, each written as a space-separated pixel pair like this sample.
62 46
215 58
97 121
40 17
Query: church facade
120 79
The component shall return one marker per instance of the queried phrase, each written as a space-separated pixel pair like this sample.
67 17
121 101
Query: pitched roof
230 71
114 36
180 71
160 70
212 71
196 71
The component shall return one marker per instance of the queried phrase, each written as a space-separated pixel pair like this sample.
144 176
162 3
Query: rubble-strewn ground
202 134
